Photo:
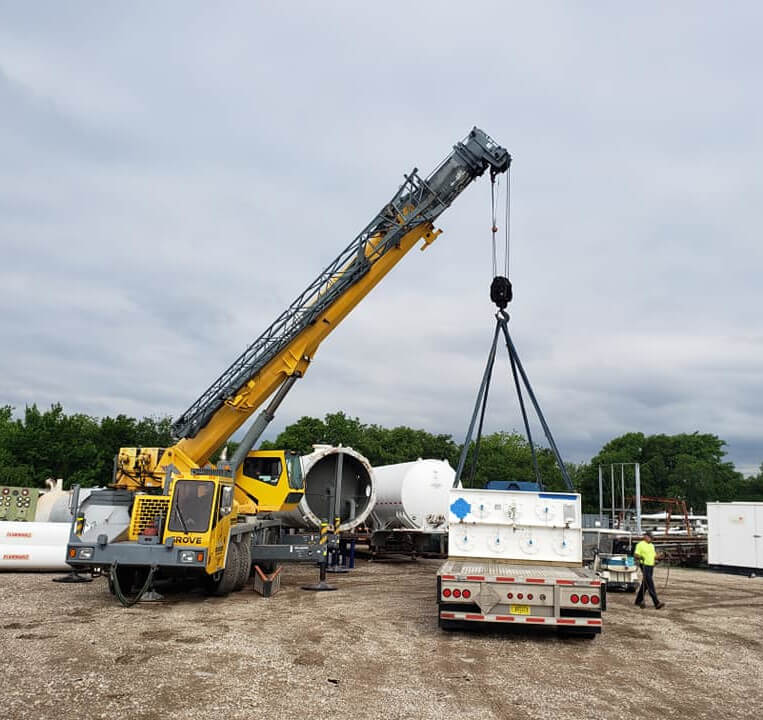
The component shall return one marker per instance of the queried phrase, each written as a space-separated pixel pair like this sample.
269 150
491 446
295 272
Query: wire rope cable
493 224
495 186
508 220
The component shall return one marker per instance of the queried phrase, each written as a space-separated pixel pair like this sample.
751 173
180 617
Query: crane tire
245 562
227 580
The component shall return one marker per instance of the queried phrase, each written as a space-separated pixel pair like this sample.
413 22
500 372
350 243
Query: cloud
172 176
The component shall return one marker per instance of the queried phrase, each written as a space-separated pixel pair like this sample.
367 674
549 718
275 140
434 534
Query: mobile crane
169 511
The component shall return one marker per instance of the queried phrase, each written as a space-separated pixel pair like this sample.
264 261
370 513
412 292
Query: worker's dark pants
647 584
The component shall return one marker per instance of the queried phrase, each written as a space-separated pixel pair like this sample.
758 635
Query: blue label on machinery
558 496
460 508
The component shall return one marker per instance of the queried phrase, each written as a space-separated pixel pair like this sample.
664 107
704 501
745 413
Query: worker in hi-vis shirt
646 555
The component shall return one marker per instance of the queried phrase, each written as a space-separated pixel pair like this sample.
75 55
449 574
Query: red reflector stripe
474 617
594 622
565 582
505 579
565 621
475 577
448 577
505 618
535 619
595 582
535 580
447 615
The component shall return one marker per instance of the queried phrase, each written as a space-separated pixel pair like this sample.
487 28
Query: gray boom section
424 201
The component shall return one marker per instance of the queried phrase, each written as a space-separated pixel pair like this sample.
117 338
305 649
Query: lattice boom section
418 201
146 508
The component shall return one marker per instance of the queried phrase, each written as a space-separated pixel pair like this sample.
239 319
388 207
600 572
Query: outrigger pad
321 586
266 584
72 577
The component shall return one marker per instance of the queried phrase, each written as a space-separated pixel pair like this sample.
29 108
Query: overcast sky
172 175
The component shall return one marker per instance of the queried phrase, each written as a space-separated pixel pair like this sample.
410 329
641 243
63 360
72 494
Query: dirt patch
309 658
373 650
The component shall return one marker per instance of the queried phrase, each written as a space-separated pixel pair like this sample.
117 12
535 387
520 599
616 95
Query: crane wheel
227 580
245 562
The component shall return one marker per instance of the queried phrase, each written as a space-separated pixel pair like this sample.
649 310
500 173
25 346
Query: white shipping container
543 527
735 534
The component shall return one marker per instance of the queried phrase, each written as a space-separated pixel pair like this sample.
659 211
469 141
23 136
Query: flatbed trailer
535 576
570 599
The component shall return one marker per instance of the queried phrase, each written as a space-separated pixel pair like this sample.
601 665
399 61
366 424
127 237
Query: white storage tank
413 495
53 505
735 535
357 491
33 546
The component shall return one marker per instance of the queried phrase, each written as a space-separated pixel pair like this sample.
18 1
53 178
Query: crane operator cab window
294 466
269 469
191 506
264 469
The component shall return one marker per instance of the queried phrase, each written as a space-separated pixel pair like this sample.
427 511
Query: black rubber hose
129 602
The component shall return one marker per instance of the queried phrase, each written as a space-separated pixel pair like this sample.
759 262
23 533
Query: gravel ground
372 650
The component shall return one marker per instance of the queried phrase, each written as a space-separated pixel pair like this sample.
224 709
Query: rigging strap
518 372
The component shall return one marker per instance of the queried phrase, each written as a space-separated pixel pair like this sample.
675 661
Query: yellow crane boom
283 352
168 511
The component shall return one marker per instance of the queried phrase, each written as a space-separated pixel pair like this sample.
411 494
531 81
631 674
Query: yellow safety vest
646 552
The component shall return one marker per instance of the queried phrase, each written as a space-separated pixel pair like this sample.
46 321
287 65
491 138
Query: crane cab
270 481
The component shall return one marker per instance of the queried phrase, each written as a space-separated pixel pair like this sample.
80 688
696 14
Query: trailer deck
568 599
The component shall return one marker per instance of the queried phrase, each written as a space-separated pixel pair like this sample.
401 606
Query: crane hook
500 291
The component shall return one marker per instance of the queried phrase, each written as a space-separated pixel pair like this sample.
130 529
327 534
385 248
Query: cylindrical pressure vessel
413 495
325 470
53 505
30 546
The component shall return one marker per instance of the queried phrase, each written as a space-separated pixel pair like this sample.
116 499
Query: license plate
520 609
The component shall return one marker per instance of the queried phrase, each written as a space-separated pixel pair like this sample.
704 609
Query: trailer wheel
227 580
569 634
245 562
449 624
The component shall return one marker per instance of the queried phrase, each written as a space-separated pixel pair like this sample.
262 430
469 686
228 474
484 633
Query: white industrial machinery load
413 495
339 482
735 536
516 525
516 557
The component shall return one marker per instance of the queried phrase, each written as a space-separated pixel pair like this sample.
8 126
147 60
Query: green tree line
688 466
81 449
78 448
501 455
